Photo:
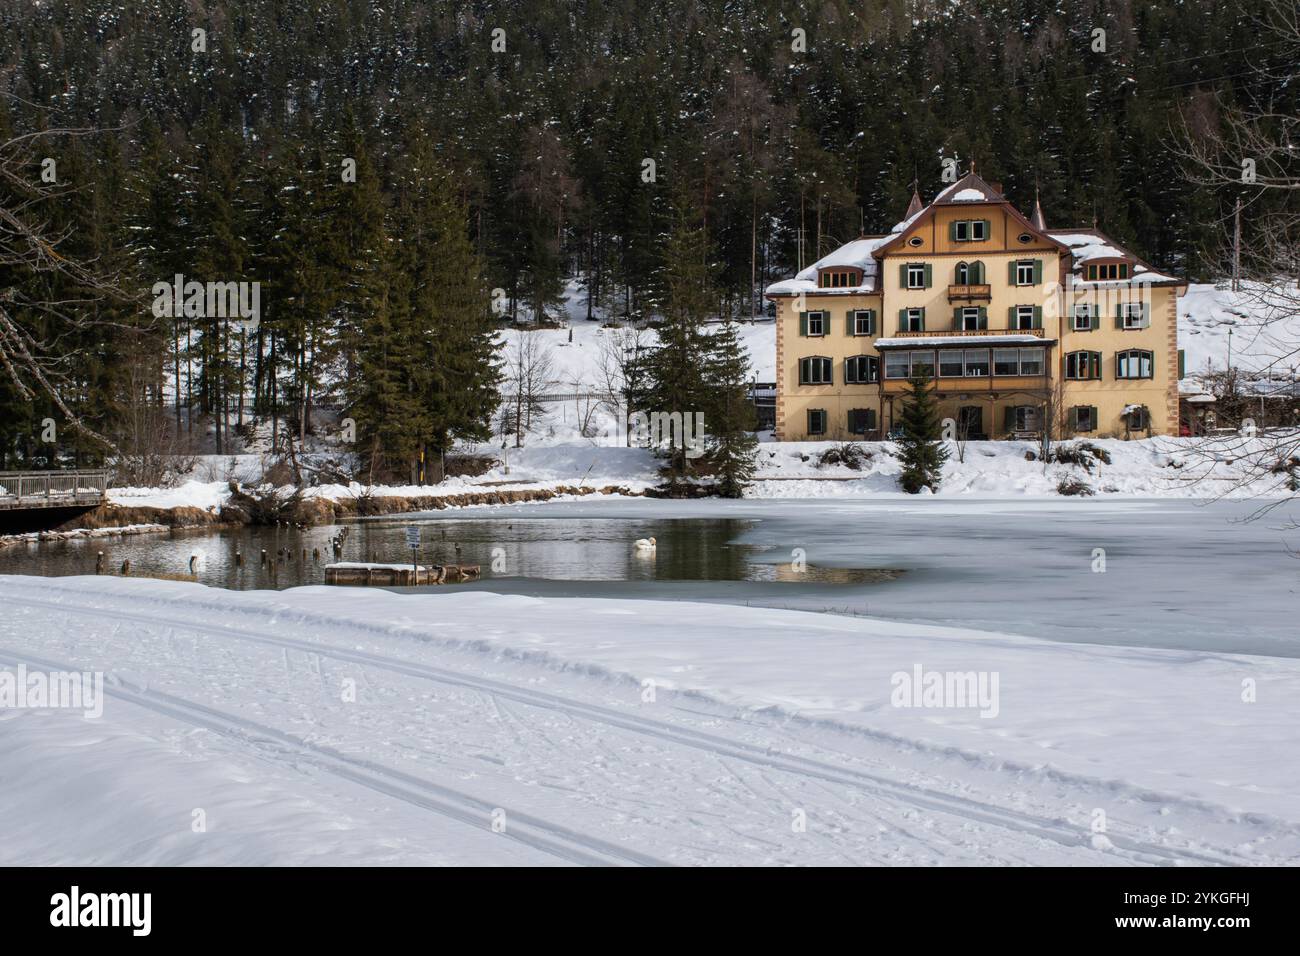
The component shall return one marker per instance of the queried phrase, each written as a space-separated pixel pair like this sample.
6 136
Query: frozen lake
1177 574
1158 573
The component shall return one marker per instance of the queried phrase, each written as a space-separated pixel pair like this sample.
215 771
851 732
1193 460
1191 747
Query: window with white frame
864 322
1133 315
1025 272
897 363
816 323
1083 366
970 230
816 421
1006 362
916 275
950 363
912 320
923 363
970 319
1134 363
977 362
1085 317
1032 361
1026 317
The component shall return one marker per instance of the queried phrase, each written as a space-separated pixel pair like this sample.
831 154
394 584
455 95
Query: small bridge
36 500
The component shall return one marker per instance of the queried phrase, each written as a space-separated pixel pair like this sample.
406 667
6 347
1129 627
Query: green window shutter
977 273
922 329
1119 315
1011 316
1011 272
1074 418
803 323
984 317
1094 321
902 275
1038 316
1146 315
952 230
902 320
988 228
871 321
929 276
1038 272
956 317
1009 418
849 318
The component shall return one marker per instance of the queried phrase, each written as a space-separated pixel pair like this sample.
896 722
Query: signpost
413 542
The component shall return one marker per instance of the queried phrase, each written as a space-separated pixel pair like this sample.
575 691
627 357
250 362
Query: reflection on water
573 549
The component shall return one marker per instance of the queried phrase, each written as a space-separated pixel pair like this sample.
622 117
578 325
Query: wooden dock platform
369 574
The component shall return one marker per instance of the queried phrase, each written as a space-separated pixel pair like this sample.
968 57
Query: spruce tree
729 415
920 449
675 368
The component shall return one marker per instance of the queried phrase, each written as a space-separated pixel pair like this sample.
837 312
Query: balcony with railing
959 333
970 292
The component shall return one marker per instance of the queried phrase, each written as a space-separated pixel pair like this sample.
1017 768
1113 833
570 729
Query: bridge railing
48 488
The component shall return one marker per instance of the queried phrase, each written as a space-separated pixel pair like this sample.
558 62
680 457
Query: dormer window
840 278
1107 271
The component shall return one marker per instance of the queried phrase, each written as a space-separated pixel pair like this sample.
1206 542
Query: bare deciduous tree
529 375
29 249
1253 155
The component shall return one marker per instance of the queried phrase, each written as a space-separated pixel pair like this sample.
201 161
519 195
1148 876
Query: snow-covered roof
1088 246
852 255
930 341
970 188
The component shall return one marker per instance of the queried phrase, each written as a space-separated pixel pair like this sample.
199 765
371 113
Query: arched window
963 274
1134 363
815 370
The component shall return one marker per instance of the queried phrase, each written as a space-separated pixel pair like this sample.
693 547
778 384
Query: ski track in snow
583 774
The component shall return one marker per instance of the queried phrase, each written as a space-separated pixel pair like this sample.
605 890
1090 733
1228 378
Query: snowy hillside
1261 342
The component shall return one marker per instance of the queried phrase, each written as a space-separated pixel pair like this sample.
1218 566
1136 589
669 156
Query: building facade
1020 328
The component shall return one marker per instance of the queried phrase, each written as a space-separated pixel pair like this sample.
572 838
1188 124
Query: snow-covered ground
1157 467
1261 341
330 726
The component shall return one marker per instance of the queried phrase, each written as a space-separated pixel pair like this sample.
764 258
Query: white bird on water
644 544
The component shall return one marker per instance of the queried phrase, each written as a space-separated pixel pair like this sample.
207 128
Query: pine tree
729 415
675 368
920 449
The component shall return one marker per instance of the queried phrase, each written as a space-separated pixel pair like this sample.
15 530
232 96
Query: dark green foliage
227 162
920 448
675 368
729 414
